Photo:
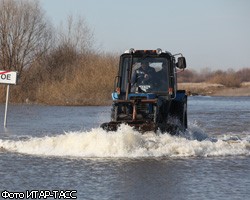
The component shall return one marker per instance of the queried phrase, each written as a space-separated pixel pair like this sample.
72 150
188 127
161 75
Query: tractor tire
179 111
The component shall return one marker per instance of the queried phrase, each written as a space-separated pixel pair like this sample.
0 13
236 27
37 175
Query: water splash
126 142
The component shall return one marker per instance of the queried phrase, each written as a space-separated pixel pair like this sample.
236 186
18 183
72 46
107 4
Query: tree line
228 78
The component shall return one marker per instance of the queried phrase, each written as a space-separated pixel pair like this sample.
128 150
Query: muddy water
61 148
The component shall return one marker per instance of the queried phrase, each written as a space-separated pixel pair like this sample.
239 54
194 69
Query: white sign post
7 77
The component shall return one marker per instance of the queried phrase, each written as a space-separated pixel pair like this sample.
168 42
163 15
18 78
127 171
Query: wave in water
128 143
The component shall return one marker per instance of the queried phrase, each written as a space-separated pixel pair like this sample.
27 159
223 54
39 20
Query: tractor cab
147 71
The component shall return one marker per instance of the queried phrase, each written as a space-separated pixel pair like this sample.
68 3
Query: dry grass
84 81
200 88
245 84
213 89
91 83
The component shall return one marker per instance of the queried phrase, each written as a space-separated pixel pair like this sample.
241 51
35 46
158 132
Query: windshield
147 75
150 75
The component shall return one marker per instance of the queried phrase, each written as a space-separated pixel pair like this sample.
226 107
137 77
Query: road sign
8 77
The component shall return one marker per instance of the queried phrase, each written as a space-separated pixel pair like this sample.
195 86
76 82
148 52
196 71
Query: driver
144 74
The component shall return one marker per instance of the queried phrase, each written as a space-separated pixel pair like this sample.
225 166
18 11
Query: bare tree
76 34
24 33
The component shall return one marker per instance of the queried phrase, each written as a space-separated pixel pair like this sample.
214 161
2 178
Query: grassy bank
213 89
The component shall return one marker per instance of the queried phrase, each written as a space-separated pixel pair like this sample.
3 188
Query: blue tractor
146 96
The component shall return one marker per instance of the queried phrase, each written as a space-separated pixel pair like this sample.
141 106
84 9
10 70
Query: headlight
158 51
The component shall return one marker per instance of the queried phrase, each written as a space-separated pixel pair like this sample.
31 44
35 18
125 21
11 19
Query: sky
211 34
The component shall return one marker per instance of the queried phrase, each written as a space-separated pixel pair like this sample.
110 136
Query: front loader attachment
137 125
143 127
141 114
